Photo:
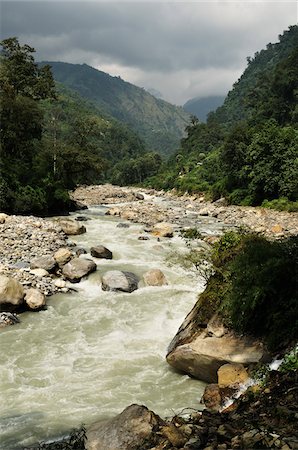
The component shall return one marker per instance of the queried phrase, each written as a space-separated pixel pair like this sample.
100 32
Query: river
92 353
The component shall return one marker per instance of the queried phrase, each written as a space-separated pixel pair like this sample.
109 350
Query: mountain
202 106
160 124
154 92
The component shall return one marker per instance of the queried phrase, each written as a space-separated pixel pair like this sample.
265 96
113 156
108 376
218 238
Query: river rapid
92 353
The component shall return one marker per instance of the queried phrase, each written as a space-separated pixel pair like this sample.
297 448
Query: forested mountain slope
202 106
158 123
247 150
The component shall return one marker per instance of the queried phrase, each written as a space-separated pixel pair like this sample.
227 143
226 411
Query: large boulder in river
116 280
154 277
78 268
47 263
62 256
232 375
72 227
101 252
34 299
127 431
11 293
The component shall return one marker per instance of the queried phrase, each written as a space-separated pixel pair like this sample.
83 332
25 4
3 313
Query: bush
281 204
30 200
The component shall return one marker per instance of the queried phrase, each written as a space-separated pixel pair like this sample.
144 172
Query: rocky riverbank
186 210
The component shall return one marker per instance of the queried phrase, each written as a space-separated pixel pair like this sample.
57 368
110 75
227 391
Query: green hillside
158 123
247 151
202 106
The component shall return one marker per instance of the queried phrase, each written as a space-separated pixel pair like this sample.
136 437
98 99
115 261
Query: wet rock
59 283
11 293
163 229
116 280
47 263
71 227
79 251
3 217
82 218
34 299
174 435
154 277
7 318
101 252
143 238
122 225
139 196
78 268
127 431
212 397
62 256
40 273
232 374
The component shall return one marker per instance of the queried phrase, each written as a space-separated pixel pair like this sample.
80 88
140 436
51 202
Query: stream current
93 353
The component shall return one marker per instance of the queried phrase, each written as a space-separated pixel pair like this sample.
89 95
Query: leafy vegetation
248 149
52 139
160 124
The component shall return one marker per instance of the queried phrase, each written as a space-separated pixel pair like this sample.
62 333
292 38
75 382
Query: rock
7 318
115 211
221 202
60 283
77 268
200 355
40 273
116 280
143 238
11 293
34 299
212 397
277 229
3 217
204 212
174 435
62 256
43 262
71 227
82 218
163 229
80 251
232 374
154 277
127 431
139 196
122 225
101 252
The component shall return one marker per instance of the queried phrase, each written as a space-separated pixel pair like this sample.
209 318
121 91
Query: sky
183 49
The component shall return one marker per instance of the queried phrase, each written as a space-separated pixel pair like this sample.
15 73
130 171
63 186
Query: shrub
30 200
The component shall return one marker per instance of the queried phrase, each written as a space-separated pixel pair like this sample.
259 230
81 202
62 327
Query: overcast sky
183 49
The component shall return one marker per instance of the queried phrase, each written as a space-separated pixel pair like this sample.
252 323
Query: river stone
232 374
43 262
34 299
127 431
116 280
39 272
101 252
72 227
212 397
62 256
163 229
154 277
3 217
59 283
77 268
11 293
7 318
204 355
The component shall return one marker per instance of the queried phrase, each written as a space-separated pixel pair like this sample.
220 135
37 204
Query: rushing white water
92 353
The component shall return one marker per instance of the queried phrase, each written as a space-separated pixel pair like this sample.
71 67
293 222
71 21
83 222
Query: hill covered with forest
160 124
202 106
247 150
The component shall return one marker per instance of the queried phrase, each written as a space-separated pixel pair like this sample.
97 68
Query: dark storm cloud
151 41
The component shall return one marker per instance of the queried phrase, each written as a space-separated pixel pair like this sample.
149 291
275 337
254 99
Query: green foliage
30 200
281 204
191 233
290 362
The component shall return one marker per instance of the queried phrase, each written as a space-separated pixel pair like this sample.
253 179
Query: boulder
47 263
116 280
62 256
3 217
203 355
212 397
139 196
79 251
59 283
77 268
34 299
232 374
72 227
127 431
122 225
7 318
11 293
115 211
154 277
163 229
40 273
101 252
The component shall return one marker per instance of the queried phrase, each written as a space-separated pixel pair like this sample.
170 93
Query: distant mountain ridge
160 124
202 106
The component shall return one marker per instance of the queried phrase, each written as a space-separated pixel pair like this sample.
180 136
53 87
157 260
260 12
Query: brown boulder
11 293
101 252
72 227
232 374
62 256
163 229
34 299
154 277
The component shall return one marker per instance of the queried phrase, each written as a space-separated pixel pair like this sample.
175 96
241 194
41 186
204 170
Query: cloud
182 49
